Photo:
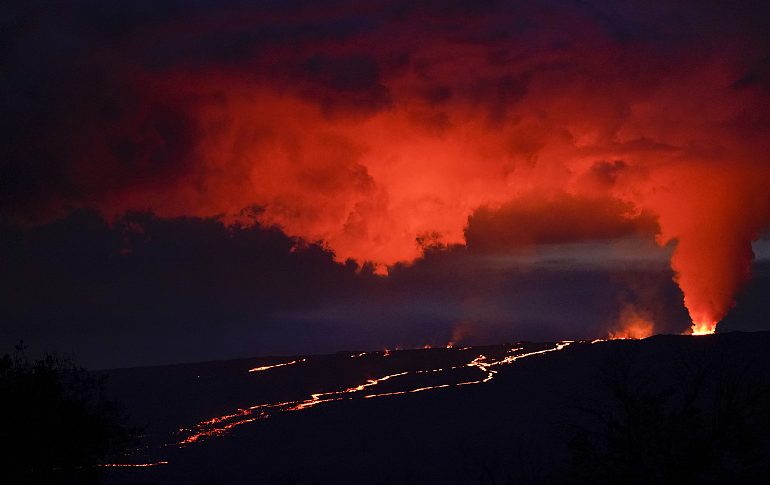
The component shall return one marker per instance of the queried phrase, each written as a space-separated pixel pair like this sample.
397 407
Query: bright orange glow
703 328
267 367
140 465
632 325
220 425
713 217
393 137
382 187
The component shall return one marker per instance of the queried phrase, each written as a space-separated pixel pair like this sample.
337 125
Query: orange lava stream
266 367
136 465
222 424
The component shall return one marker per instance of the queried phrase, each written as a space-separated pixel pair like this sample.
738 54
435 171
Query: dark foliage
57 425
708 425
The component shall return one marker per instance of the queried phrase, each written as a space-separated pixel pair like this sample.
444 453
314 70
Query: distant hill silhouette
667 409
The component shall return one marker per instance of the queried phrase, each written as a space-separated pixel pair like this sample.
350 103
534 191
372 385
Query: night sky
186 180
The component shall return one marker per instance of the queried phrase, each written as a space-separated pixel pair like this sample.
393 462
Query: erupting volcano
221 179
213 180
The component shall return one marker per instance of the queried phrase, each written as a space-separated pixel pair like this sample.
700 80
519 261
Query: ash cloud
368 126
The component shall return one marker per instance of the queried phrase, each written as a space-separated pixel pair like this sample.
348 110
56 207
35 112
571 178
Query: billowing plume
380 127
714 213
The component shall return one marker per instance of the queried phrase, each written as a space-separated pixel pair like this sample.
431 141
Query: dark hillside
555 417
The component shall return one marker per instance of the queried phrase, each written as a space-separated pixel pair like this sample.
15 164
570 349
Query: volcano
512 413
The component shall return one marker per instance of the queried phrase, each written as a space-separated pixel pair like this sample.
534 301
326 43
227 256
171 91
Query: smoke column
713 214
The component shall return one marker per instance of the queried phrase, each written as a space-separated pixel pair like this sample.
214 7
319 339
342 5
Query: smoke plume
372 126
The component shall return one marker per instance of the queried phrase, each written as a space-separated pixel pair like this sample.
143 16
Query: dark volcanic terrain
513 413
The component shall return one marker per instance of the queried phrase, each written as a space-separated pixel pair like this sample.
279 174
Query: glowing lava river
466 368
445 416
190 408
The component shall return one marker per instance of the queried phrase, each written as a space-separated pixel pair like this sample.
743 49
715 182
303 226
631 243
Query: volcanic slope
493 414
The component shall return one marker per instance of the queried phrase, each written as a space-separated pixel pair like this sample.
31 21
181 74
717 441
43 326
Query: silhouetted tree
56 423
709 427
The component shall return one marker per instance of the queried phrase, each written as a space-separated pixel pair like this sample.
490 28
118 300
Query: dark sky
192 180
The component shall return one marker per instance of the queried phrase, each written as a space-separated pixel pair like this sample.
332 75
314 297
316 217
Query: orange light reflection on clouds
419 142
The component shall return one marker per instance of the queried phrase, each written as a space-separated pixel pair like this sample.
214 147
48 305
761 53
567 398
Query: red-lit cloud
372 125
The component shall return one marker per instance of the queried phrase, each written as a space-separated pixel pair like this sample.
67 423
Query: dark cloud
76 120
437 95
171 279
499 95
561 219
350 83
149 290
374 129
752 305
606 174
757 76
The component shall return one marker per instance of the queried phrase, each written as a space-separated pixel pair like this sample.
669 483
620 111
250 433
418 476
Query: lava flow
404 382
267 367
137 465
